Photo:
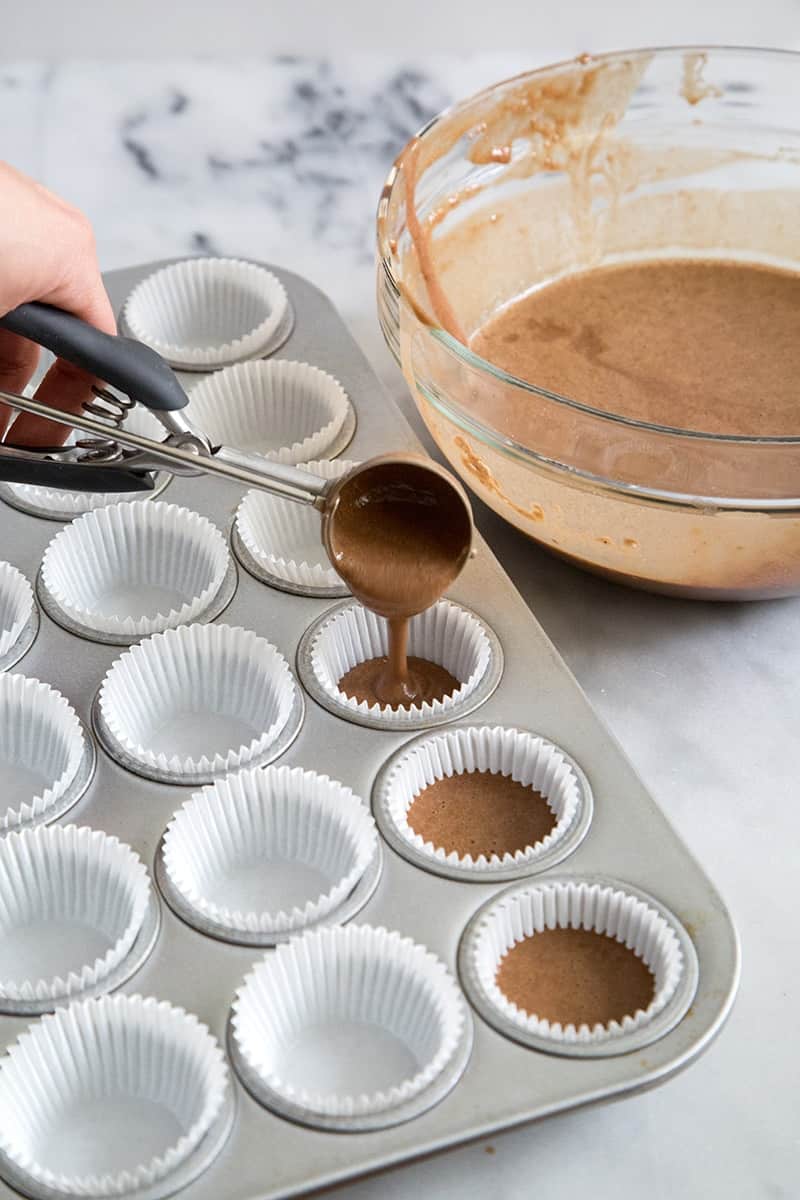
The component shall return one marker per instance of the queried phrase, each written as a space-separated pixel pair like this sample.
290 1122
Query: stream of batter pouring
398 533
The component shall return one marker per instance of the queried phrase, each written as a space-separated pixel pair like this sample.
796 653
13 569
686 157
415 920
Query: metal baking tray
505 1083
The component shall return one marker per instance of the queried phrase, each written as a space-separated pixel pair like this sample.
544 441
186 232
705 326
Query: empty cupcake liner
529 759
109 1097
56 504
616 909
349 1027
72 903
204 313
193 703
280 541
267 852
447 634
129 570
288 412
18 615
46 761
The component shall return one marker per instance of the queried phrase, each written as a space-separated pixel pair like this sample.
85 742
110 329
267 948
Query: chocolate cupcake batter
575 977
429 680
478 812
398 532
707 345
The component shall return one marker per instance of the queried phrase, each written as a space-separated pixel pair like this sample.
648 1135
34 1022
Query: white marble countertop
283 160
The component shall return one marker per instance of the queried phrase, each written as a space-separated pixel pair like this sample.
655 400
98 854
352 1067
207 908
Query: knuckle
81 227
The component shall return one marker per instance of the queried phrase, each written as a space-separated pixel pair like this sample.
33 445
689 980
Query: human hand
47 253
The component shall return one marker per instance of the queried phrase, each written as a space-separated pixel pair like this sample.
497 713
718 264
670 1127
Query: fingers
65 387
18 359
48 253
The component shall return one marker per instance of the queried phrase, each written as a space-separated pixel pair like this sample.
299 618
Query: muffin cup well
46 759
350 1028
129 570
289 412
19 617
266 853
204 313
140 1081
73 902
197 702
597 903
280 542
523 756
447 634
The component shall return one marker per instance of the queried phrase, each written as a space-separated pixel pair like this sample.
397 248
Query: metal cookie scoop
394 504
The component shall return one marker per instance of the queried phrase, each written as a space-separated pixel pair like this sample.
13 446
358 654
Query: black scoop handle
126 364
73 476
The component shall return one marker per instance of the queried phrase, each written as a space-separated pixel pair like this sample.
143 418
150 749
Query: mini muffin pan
289 1125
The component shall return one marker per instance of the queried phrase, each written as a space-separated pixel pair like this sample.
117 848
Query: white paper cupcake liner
611 909
72 902
16 607
349 1021
58 504
289 412
300 839
197 701
518 754
203 313
109 1096
446 634
41 750
284 539
129 570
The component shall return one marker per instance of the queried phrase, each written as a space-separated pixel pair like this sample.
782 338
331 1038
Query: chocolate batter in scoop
398 531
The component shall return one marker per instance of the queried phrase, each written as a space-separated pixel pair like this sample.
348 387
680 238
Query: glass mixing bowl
688 151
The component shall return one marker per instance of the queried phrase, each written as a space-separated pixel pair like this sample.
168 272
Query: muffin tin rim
344 434
429 1096
143 945
483 689
277 338
279 746
9 497
27 636
73 793
254 568
661 1024
563 848
215 608
352 904
195 1165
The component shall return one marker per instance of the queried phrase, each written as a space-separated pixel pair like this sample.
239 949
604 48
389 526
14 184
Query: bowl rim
494 437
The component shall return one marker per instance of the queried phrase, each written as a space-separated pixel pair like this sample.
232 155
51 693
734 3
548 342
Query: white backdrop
158 28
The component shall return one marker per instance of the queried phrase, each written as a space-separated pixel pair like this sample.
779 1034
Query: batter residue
575 976
480 813
695 344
